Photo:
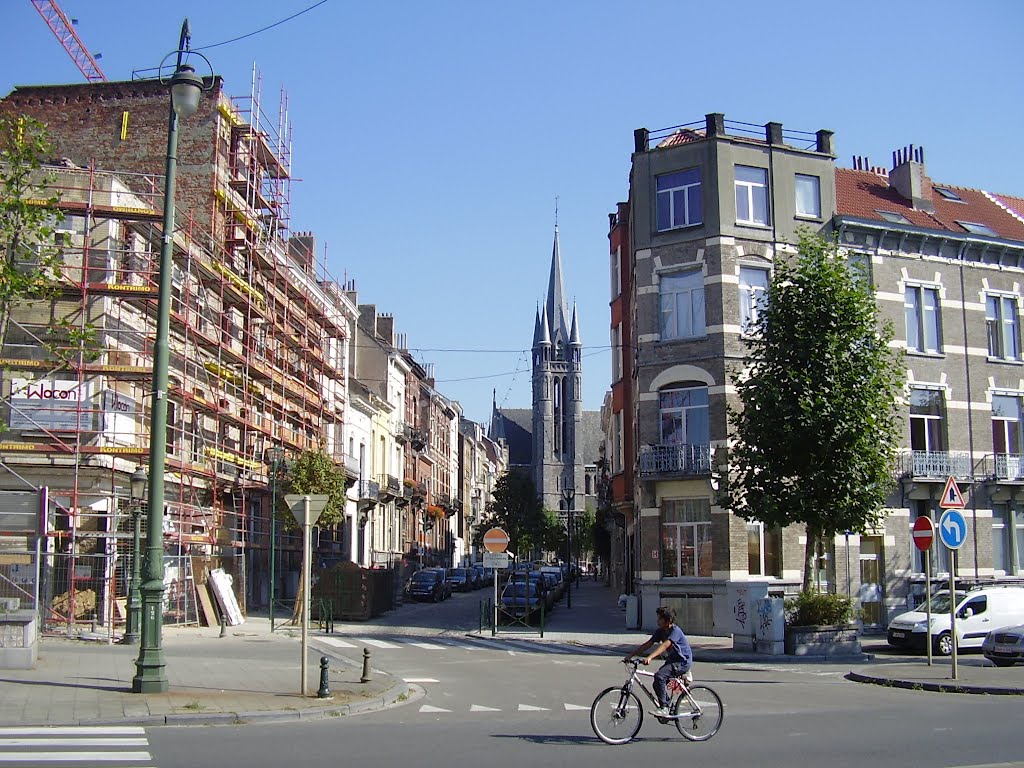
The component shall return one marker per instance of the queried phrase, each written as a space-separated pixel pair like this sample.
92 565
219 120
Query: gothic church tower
557 395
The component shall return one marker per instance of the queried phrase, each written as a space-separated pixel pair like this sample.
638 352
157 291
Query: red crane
61 27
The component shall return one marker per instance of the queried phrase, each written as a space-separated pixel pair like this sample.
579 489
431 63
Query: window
859 264
682 305
1006 437
1007 539
753 296
679 200
686 537
927 408
893 217
1003 324
764 550
977 229
616 339
808 196
921 308
684 416
947 193
751 195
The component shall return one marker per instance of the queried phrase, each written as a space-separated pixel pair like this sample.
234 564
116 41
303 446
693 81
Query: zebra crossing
122 746
467 644
429 709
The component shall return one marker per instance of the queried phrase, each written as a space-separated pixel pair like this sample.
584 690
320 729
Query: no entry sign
924 533
495 540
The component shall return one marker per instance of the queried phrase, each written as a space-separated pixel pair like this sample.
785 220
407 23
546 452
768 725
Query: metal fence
20 546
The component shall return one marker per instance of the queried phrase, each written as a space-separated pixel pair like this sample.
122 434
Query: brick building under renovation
258 350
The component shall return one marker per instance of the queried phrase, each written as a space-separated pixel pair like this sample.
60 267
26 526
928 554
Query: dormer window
977 229
947 193
892 217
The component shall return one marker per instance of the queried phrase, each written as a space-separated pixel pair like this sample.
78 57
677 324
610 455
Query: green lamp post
137 500
186 88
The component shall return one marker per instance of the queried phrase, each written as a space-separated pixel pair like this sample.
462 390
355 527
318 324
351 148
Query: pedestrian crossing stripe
71 730
375 643
66 741
473 644
420 680
336 642
65 757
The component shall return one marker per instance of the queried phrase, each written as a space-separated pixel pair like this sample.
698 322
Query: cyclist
679 658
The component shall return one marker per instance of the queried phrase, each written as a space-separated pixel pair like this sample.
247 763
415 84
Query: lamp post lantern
569 497
275 459
186 88
138 493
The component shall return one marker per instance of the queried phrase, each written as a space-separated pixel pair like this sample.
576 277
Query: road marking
428 708
73 757
477 642
428 646
571 707
335 642
531 708
100 730
480 708
375 643
70 742
420 680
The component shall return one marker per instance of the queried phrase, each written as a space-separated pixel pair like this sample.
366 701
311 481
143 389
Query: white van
978 611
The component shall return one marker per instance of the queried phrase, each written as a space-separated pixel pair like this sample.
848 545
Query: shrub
818 608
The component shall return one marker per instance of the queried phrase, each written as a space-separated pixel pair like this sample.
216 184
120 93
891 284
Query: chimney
640 139
368 318
825 144
386 328
302 247
773 133
908 178
714 124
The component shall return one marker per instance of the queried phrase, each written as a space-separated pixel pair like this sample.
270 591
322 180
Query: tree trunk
810 550
830 569
296 618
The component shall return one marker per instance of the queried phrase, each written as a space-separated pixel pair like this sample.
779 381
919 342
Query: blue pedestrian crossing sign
953 528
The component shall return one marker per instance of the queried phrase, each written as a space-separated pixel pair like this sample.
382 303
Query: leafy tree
816 438
554 536
314 472
30 263
515 508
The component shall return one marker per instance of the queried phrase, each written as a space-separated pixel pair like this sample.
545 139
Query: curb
918 685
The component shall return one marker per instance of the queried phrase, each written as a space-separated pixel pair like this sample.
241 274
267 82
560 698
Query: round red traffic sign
924 533
495 540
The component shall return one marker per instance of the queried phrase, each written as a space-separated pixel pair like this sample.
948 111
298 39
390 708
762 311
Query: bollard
223 625
366 666
324 691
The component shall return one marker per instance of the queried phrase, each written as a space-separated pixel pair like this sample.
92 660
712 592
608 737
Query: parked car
429 584
485 576
1004 647
977 611
461 579
521 598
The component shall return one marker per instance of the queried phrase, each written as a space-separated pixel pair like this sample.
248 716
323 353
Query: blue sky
432 138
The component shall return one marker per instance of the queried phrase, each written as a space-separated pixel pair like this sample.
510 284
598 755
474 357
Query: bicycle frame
675 684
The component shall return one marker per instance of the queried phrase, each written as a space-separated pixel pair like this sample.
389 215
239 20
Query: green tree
515 508
314 472
816 437
30 262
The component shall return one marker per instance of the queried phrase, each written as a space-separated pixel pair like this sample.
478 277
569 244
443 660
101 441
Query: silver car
1004 647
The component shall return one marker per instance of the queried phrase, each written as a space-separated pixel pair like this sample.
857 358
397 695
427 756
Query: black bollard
223 625
324 691
366 666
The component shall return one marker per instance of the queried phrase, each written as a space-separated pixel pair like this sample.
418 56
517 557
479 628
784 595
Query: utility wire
271 26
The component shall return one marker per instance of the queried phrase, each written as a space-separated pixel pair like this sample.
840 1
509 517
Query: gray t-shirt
679 651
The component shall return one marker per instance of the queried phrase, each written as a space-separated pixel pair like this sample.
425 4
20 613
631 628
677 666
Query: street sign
953 528
496 559
924 533
951 496
495 540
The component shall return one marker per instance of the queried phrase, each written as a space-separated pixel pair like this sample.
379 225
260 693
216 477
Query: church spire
555 306
574 334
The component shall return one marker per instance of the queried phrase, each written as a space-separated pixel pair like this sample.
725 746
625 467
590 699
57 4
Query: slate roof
863 193
515 426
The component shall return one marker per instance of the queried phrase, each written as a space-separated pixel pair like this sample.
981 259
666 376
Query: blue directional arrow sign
953 528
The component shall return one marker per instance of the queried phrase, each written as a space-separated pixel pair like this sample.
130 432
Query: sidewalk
248 675
595 620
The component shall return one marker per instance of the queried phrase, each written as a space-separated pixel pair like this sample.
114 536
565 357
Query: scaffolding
257 359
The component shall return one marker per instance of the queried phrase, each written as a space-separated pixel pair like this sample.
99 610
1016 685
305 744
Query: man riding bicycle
668 637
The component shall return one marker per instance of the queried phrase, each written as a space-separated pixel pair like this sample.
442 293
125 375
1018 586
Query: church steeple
555 306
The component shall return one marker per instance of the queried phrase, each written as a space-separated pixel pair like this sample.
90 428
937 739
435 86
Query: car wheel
1002 662
944 644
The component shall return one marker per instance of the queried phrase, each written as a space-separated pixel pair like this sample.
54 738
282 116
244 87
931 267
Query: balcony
417 438
675 460
390 488
350 466
369 491
934 465
402 433
1006 467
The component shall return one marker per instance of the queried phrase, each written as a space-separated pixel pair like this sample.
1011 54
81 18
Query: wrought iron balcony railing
934 465
675 460
369 490
1004 466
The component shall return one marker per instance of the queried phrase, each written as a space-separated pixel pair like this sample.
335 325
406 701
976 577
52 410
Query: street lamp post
569 496
186 88
275 458
138 492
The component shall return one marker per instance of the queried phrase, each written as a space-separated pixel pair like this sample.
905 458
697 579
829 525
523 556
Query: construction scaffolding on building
257 360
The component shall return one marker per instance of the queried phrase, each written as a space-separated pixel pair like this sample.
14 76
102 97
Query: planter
823 640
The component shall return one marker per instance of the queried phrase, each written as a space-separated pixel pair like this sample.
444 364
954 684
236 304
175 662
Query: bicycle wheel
700 713
616 715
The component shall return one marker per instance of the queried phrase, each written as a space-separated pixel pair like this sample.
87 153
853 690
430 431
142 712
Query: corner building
712 205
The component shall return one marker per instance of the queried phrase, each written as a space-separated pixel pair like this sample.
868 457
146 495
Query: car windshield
423 577
458 572
940 603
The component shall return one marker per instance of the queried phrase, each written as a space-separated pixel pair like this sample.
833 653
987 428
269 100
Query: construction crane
62 28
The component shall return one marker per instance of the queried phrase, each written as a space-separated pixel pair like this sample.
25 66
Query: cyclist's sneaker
661 712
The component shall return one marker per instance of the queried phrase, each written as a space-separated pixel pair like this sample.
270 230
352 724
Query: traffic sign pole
952 605
928 599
